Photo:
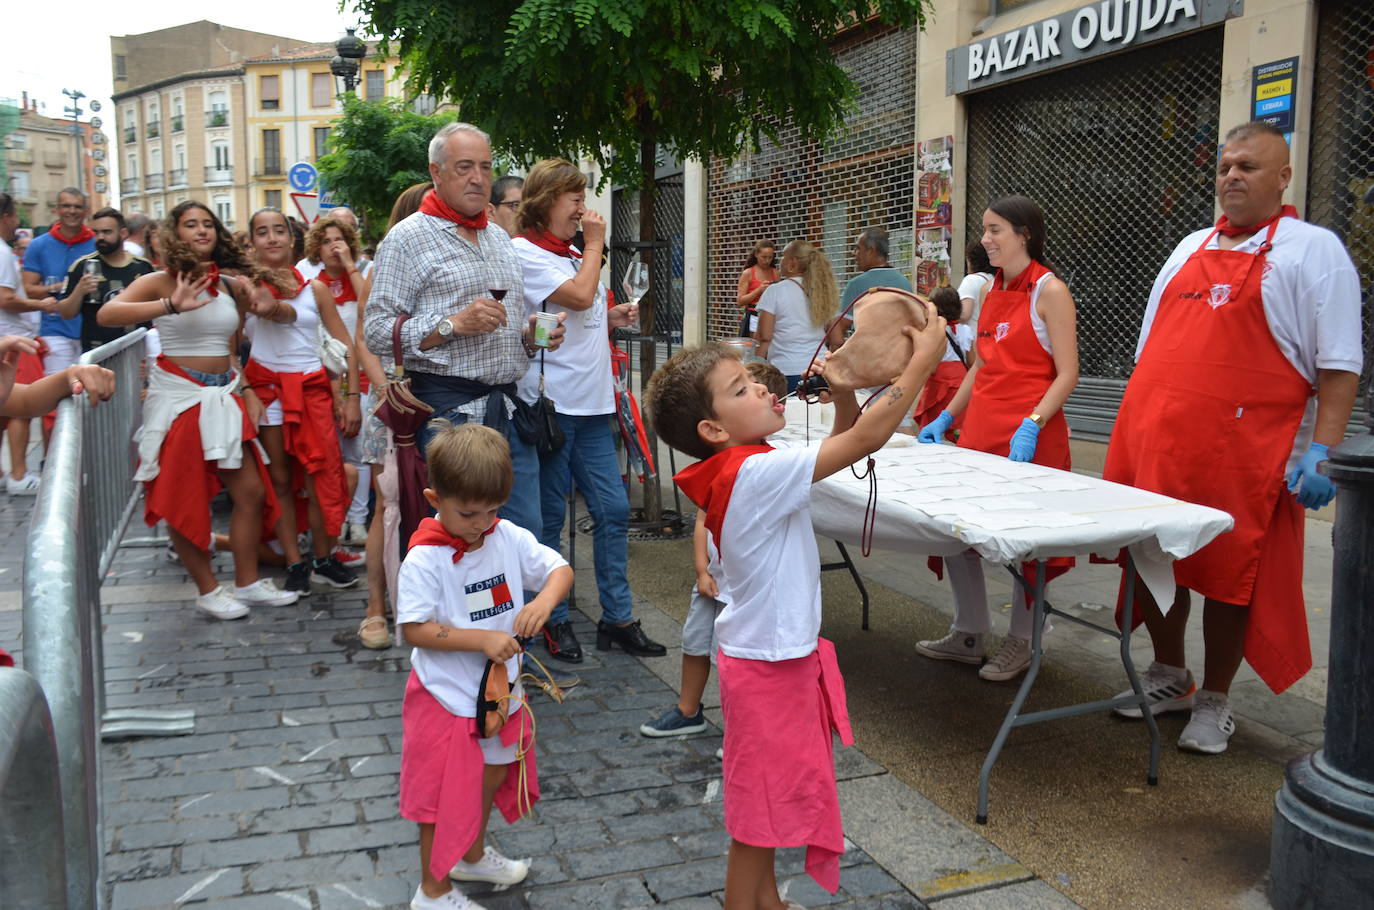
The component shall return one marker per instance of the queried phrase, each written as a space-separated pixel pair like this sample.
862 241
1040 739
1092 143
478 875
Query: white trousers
971 613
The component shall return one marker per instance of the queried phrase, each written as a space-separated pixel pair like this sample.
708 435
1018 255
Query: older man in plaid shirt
462 348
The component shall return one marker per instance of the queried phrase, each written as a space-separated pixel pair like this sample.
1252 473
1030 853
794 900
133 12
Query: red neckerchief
340 288
1226 229
434 205
431 533
213 287
300 286
546 241
82 235
709 484
1023 282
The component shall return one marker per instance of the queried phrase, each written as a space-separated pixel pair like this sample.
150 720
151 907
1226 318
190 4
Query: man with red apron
1243 332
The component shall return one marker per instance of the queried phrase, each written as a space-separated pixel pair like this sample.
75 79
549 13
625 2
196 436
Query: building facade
43 156
1108 113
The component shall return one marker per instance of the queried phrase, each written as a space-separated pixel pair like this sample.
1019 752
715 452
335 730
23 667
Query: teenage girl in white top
199 314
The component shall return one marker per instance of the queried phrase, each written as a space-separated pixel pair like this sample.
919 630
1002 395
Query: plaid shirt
426 269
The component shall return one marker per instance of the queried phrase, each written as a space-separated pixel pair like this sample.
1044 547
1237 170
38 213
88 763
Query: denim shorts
210 379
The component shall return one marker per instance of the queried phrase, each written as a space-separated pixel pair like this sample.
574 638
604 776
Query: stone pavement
285 795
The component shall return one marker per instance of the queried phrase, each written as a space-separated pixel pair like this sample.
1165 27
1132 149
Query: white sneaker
1009 662
1164 690
1211 726
24 486
263 593
493 868
453 900
220 604
354 534
965 647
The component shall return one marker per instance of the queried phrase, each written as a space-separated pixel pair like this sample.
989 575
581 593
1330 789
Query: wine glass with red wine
498 293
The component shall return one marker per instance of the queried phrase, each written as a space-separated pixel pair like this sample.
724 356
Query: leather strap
401 319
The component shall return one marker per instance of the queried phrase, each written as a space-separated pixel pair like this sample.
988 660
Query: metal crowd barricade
32 873
87 495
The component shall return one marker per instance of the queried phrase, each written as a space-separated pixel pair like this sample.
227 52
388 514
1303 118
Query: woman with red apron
1025 364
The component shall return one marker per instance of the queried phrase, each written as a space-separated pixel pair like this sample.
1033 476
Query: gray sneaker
1009 662
1164 692
965 647
1211 726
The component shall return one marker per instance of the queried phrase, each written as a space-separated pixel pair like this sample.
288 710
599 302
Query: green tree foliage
616 79
377 150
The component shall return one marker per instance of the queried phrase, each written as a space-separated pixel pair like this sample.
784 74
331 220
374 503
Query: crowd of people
278 353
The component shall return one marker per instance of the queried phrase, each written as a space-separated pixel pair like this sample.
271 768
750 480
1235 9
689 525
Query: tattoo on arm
895 393
442 633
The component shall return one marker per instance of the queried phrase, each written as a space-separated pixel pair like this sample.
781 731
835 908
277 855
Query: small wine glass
636 281
498 293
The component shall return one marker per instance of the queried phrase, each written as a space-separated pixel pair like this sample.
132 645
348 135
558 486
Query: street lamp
74 111
352 50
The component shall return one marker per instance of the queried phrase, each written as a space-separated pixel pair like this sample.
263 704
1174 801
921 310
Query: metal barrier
87 496
32 873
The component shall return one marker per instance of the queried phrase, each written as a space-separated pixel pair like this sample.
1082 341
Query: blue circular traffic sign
302 176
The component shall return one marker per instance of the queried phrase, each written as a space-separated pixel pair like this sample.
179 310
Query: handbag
333 352
547 432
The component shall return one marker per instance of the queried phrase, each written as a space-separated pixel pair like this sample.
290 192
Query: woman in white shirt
577 377
976 283
197 424
795 312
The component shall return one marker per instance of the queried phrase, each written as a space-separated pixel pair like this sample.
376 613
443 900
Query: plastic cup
544 324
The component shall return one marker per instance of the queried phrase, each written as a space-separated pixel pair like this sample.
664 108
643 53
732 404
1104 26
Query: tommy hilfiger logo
1219 295
1002 329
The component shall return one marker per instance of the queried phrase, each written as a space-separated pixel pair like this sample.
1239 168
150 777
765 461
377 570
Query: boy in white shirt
780 687
460 602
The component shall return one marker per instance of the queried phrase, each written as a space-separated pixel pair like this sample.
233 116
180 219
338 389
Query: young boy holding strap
460 602
781 691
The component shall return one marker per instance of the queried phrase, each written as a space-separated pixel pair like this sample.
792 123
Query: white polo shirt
770 574
1311 301
483 590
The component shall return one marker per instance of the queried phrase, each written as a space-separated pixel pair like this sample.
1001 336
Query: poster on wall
934 213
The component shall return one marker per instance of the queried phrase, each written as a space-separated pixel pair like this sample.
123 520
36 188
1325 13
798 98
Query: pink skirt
785 708
441 774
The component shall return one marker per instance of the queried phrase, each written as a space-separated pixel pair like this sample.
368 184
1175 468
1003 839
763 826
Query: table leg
1037 631
1128 607
847 563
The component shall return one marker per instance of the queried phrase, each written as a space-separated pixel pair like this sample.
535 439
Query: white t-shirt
483 590
972 287
289 347
577 376
311 270
965 336
25 324
770 572
795 339
1311 297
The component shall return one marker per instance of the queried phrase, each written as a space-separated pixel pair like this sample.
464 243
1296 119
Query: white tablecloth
940 500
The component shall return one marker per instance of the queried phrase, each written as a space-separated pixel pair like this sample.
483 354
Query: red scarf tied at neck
340 288
434 205
431 533
81 236
546 241
1226 229
272 288
213 287
709 484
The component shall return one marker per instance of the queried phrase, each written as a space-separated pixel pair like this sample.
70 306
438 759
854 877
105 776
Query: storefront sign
1076 35
1274 92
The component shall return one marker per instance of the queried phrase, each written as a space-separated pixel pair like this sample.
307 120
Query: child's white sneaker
263 593
965 647
1211 726
493 868
220 604
453 900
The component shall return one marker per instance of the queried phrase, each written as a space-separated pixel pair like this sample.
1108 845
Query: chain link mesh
1341 166
667 270
793 189
1120 154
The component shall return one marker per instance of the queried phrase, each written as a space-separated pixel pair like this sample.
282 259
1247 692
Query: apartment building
43 155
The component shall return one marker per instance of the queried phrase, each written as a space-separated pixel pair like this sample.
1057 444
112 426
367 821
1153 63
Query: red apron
938 392
1209 416
1014 375
309 434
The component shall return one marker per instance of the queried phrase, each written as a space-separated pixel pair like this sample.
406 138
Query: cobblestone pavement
286 793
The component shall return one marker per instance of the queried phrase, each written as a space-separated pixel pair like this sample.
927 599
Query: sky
54 46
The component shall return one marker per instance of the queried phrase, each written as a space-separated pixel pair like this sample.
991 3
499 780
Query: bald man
1246 373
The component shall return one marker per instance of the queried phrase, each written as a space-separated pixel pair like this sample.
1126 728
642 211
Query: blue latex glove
1023 440
1312 489
935 430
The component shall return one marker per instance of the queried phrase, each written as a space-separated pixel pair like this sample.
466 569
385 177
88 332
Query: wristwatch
444 328
1038 420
